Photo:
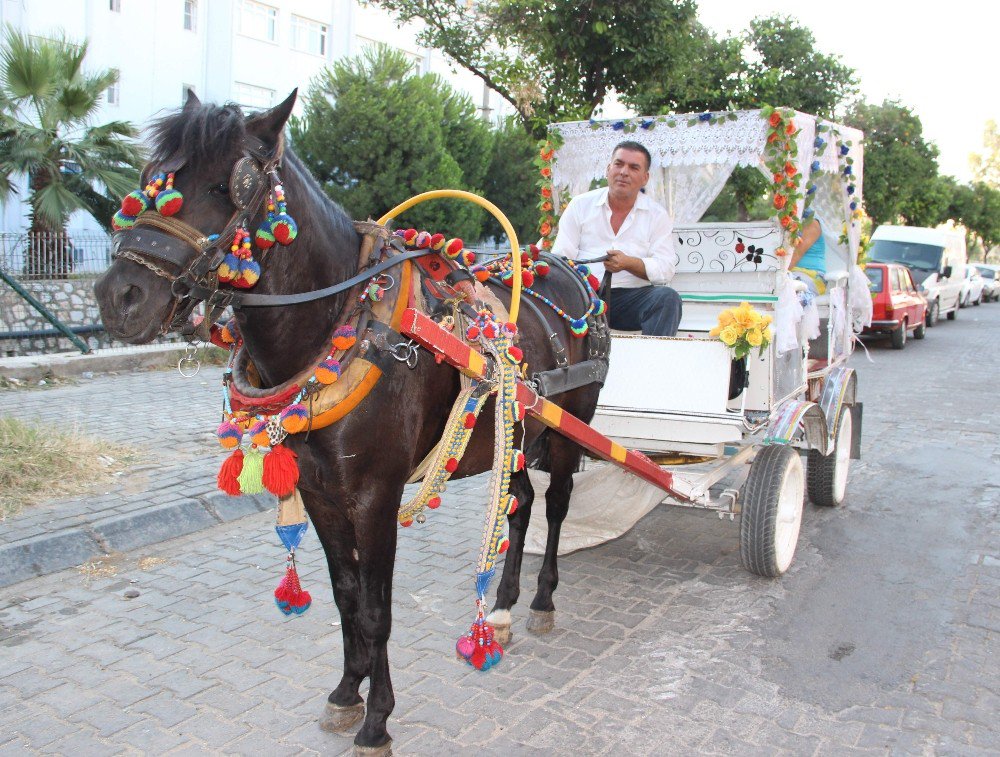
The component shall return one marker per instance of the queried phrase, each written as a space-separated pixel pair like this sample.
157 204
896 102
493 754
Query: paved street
883 637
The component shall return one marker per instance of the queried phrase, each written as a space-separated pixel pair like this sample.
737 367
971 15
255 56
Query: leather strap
559 380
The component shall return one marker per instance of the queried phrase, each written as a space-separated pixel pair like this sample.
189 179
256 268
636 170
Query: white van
936 257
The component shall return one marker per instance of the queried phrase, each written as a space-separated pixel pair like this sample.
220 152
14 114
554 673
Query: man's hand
619 261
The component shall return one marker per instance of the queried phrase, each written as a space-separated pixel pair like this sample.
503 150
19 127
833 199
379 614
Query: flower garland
546 205
780 151
845 167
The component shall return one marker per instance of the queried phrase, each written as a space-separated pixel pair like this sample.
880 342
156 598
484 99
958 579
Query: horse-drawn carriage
683 399
335 396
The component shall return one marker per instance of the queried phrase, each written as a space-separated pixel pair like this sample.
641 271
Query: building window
190 15
115 6
259 21
113 93
309 36
251 96
184 92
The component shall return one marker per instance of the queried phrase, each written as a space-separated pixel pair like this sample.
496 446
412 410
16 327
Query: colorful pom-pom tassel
512 506
409 237
527 279
468 258
280 472
542 268
120 221
230 434
169 201
294 418
578 326
264 237
453 248
472 333
452 465
250 476
437 241
134 203
434 502
230 332
249 274
594 283
344 338
328 371
258 434
478 647
482 274
470 420
290 597
534 251
515 353
422 240
229 472
284 229
229 269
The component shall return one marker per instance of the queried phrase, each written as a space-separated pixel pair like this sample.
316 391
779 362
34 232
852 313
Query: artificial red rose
546 244
778 178
545 229
790 128
772 137
546 206
790 168
545 154
546 172
779 201
785 220
775 119
546 191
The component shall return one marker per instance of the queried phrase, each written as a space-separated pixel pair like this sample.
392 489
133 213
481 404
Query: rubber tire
979 301
965 303
953 314
775 468
898 337
821 470
920 331
933 313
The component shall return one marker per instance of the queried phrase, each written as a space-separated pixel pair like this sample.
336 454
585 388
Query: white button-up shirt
585 232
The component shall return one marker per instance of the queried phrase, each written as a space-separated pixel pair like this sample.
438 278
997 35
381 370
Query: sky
942 60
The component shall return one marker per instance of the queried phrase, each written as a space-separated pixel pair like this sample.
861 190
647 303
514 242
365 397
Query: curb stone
71 547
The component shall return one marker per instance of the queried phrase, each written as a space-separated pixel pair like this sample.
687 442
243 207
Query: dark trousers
655 310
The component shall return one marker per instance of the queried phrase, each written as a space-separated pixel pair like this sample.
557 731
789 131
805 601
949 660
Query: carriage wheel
772 511
826 475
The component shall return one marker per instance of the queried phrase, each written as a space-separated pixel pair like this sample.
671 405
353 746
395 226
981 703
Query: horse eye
220 190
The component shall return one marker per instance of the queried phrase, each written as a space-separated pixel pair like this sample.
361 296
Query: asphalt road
882 638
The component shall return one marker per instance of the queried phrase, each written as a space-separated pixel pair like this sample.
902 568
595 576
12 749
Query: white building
253 52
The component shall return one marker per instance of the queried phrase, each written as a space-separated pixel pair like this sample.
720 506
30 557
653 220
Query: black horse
352 472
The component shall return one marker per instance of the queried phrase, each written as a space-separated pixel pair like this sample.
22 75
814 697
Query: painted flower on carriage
742 328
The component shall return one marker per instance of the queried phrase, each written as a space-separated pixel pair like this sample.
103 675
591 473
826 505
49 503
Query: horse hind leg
509 587
564 457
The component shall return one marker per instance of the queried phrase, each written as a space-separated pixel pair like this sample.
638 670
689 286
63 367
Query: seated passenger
636 235
809 257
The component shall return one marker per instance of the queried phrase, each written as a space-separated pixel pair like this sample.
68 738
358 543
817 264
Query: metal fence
33 257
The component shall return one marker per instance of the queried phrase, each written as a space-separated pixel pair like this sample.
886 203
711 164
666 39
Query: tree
977 207
986 165
374 134
901 169
554 60
510 183
47 103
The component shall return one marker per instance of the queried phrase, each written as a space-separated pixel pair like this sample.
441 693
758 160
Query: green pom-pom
251 477
169 202
121 221
264 238
284 229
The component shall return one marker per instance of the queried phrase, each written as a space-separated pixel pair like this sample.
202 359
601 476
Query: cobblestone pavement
883 637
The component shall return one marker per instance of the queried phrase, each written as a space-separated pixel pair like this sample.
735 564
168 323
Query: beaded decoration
238 267
532 266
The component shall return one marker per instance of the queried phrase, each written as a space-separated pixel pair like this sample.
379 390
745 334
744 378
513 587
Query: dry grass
38 463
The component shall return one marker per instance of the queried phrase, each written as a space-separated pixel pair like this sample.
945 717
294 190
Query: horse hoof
540 622
374 751
337 719
502 635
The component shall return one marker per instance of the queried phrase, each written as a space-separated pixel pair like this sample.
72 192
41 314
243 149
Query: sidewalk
117 395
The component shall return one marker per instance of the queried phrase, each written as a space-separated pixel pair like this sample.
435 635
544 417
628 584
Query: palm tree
47 105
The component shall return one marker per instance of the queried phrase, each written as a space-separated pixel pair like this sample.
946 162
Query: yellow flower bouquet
743 328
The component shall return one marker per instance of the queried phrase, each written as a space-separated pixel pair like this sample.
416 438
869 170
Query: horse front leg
509 588
564 457
345 708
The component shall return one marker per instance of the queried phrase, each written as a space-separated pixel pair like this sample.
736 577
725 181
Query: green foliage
510 183
555 60
47 103
901 171
986 165
977 207
374 134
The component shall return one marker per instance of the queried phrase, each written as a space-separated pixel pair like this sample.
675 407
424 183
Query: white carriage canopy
694 155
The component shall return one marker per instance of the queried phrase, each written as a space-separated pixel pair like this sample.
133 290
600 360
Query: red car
898 307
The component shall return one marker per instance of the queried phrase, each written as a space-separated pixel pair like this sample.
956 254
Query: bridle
157 239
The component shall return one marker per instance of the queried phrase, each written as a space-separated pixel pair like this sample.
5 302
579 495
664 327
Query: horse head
165 264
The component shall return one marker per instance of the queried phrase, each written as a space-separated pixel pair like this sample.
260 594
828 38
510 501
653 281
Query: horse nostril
131 297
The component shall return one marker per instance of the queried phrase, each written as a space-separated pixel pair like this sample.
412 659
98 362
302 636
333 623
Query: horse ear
191 101
268 125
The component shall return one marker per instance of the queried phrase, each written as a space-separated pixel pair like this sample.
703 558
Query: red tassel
281 472
231 468
290 596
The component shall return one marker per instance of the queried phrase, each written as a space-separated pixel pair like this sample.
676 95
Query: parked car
897 306
972 287
936 258
991 281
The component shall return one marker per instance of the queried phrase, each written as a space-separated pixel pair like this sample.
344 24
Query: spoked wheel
826 475
772 511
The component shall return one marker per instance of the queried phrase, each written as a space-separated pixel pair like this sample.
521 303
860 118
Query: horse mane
200 134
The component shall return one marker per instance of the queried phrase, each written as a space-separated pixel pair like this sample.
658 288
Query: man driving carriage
634 232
